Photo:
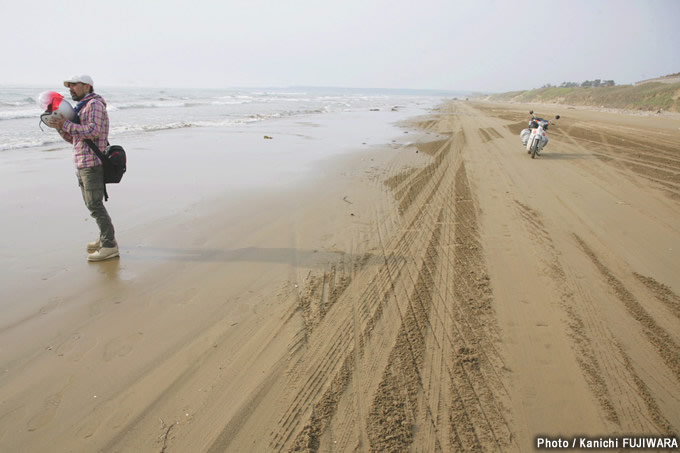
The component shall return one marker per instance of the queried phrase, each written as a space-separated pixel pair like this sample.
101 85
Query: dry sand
454 295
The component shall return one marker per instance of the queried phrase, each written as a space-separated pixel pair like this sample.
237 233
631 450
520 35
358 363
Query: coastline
171 174
433 288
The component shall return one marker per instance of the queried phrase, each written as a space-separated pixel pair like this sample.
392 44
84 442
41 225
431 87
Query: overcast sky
453 45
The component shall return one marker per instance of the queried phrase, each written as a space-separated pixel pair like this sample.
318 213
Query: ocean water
142 110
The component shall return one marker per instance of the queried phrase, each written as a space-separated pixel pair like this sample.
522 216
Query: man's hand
57 121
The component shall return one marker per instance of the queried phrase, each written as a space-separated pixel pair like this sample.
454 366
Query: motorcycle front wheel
534 149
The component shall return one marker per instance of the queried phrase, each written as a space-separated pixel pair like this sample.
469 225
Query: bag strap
78 108
101 157
95 149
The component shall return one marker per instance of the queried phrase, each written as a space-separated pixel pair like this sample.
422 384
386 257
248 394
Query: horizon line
253 87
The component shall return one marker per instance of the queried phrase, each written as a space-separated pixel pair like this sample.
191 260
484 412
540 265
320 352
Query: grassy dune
650 96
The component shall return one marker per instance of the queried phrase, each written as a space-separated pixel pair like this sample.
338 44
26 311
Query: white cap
79 78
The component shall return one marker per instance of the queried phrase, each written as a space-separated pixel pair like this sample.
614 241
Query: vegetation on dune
652 96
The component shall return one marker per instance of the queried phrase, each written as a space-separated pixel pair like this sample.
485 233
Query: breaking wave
18 114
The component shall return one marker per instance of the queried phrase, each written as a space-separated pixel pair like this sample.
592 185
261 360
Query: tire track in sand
464 307
441 370
394 408
579 326
622 394
315 401
661 292
667 348
475 415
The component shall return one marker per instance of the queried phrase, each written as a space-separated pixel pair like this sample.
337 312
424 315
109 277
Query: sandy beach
349 285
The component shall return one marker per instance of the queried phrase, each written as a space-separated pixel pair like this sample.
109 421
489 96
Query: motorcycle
535 138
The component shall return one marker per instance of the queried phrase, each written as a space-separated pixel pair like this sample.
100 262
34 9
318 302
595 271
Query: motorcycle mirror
557 117
531 112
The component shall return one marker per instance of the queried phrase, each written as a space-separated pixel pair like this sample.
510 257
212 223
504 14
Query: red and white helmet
54 103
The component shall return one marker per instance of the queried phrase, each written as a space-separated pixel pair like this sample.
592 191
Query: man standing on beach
91 122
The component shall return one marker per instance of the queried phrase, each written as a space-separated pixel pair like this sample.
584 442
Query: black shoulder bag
114 161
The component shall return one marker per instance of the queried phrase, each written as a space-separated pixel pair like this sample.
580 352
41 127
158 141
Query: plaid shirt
94 124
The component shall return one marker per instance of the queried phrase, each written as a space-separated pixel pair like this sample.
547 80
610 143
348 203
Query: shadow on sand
309 258
566 156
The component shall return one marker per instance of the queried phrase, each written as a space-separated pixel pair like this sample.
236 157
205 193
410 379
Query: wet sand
449 295
174 177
